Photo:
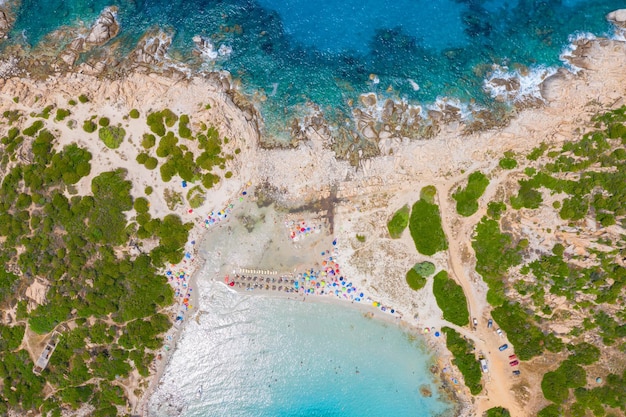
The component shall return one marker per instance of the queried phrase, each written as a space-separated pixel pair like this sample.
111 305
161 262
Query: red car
511 357
514 363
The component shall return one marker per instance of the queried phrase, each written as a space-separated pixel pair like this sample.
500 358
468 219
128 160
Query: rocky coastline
383 129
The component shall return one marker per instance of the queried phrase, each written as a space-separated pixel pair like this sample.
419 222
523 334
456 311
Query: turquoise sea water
267 357
324 51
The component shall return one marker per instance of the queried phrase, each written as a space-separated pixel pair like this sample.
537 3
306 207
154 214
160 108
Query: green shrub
89 126
167 145
527 197
141 205
428 194
33 129
467 199
169 117
495 209
415 280
196 196
463 352
134 114
112 136
104 121
168 170
425 227
155 122
151 163
148 140
228 174
61 114
72 102
142 158
208 180
498 412
552 410
183 127
425 268
399 221
521 330
148 190
360 238
83 98
450 299
508 163
495 254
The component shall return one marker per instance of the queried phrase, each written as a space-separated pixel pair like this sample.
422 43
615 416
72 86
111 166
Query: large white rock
105 28
618 17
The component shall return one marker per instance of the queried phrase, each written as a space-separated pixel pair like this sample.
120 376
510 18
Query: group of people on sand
326 280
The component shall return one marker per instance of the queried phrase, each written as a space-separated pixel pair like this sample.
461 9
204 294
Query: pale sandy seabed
365 196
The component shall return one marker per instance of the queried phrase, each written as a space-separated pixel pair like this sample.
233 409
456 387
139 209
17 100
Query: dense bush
555 385
134 114
34 128
112 136
151 163
498 412
61 114
415 280
508 163
450 299
89 126
495 254
425 227
399 221
521 330
467 199
463 352
183 127
155 122
148 140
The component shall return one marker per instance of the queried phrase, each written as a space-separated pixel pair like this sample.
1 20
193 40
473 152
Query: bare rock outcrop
105 28
618 18
151 49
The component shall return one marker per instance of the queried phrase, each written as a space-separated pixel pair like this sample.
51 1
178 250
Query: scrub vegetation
467 198
398 222
425 224
585 179
450 299
464 359
104 302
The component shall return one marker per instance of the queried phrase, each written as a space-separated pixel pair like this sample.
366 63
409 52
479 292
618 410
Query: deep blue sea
324 51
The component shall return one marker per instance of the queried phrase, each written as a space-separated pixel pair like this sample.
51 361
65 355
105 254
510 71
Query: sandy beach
272 187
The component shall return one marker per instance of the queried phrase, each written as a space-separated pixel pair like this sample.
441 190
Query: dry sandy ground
366 197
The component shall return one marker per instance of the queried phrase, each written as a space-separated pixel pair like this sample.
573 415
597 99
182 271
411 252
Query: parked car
514 363
489 323
517 372
475 322
499 332
511 357
483 365
503 347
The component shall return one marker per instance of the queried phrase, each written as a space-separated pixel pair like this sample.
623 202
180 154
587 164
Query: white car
499 331
483 365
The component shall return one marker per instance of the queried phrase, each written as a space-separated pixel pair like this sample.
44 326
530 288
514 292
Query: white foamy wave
568 51
448 104
515 86
208 51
